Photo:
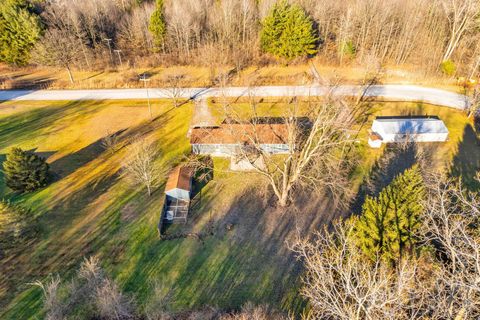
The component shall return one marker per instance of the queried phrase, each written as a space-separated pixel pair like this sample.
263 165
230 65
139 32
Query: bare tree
174 89
317 141
461 15
141 166
451 225
474 103
341 283
57 48
251 312
89 287
112 303
55 309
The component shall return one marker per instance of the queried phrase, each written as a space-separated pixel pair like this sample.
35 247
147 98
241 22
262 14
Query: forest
438 36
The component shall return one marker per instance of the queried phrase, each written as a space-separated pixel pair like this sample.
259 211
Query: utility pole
109 48
118 52
145 80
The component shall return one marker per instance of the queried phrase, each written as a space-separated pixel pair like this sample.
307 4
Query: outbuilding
178 191
407 129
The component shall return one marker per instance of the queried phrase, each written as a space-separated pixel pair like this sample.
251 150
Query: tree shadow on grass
395 159
466 163
24 126
71 162
246 259
58 250
81 214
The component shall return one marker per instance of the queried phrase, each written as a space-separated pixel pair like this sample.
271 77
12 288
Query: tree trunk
283 199
70 75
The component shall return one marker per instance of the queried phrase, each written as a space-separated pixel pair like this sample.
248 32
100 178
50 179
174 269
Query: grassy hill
93 209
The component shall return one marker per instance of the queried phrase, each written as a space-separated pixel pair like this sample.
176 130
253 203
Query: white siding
416 130
178 194
227 150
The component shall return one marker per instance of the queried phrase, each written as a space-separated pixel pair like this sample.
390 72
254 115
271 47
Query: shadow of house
395 160
466 163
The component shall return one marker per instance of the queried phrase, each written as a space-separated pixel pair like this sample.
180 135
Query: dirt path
202 117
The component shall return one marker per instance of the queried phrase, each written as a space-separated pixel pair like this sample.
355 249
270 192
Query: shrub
25 171
448 67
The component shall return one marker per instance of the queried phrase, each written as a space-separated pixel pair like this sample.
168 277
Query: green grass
84 212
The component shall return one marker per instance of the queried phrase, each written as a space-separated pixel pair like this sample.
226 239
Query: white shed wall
178 194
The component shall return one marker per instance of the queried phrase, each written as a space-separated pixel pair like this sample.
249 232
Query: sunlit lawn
92 208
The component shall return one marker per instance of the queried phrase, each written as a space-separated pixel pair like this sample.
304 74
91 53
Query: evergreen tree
157 25
15 223
389 222
287 32
20 28
24 171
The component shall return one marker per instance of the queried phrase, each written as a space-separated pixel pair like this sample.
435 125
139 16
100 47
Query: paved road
381 92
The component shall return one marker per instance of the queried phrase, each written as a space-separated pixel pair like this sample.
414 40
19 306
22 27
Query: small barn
407 129
178 191
227 139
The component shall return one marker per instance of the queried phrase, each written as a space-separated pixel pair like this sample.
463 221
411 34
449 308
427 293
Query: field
93 209
197 76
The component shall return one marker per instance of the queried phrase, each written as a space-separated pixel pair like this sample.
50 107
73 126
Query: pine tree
157 25
287 32
389 222
372 226
24 171
20 28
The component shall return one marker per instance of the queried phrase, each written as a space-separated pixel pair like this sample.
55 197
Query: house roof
235 133
412 125
179 178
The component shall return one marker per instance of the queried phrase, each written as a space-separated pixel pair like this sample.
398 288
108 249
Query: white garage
407 129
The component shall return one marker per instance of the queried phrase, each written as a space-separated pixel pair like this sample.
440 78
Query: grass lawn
92 209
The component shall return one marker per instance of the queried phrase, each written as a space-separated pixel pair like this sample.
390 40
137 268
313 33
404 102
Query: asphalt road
379 92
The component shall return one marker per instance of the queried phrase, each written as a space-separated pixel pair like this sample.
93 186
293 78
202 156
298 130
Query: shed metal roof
179 178
419 125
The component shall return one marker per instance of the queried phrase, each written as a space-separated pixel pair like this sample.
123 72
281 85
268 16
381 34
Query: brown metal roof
179 178
375 136
241 133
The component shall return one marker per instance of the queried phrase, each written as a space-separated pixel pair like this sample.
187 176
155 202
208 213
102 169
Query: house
178 192
227 139
407 129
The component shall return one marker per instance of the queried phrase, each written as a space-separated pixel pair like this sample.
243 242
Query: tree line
433 34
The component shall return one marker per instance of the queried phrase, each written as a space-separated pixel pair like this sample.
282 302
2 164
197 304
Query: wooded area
438 35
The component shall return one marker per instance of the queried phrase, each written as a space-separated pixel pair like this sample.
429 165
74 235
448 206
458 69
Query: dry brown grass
196 76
